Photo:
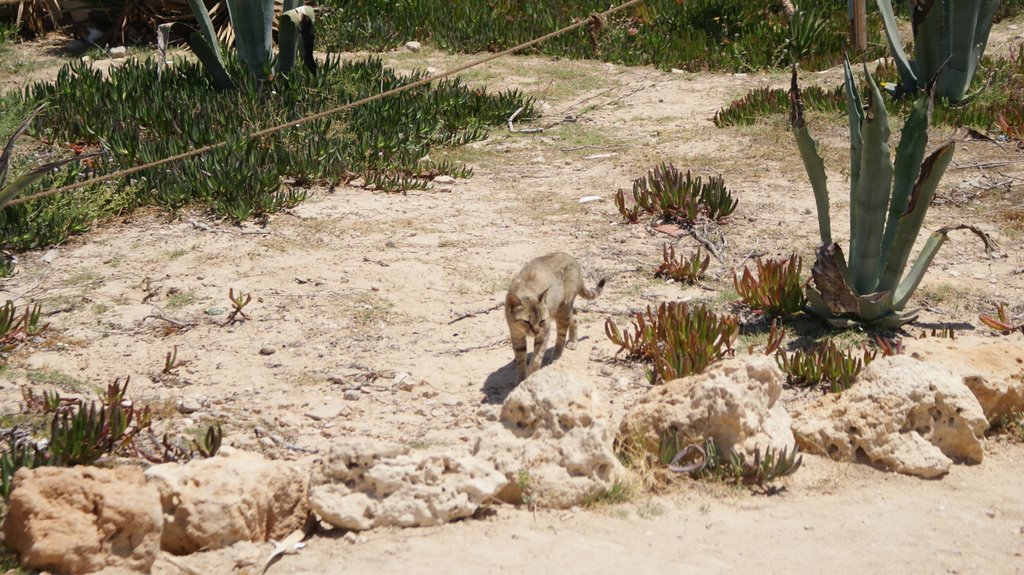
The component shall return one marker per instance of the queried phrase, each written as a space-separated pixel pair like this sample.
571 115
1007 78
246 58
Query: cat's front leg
519 349
540 343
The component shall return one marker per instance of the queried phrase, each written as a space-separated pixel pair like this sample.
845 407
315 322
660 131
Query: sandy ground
350 331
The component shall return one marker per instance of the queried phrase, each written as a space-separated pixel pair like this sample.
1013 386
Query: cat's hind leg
571 342
563 327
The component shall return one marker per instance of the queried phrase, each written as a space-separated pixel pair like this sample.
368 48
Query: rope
319 115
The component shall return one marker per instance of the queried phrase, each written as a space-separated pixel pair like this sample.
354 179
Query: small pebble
605 370
352 395
390 244
444 180
268 350
413 46
216 310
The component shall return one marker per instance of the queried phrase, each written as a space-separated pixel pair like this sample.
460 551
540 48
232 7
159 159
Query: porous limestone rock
554 443
735 402
235 496
901 414
364 483
83 519
993 369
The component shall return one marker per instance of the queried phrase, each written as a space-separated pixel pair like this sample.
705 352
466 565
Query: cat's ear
513 301
540 297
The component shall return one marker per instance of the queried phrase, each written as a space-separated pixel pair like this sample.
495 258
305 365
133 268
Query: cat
545 288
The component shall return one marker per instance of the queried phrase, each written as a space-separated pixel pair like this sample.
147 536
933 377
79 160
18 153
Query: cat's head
529 312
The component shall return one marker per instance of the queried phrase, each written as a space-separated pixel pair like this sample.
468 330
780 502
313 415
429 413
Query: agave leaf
831 277
206 29
930 46
11 190
208 54
870 199
855 109
812 160
292 25
5 158
912 219
908 77
924 259
252 21
909 157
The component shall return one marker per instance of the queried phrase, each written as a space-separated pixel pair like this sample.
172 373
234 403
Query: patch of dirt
350 330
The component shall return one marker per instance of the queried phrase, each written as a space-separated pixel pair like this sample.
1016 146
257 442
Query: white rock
554 443
734 402
118 52
442 179
992 369
413 46
364 483
235 496
902 414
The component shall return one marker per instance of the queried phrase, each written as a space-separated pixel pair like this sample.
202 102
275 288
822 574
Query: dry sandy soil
350 330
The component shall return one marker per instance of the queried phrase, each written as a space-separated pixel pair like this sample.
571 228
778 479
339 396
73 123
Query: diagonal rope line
320 115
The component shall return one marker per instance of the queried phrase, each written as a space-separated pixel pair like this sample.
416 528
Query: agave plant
949 35
888 202
252 22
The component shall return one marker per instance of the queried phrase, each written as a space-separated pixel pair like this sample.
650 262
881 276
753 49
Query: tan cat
543 290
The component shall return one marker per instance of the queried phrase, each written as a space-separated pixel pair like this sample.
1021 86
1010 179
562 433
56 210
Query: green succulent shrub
676 197
733 35
825 364
763 102
141 114
81 432
682 269
678 339
706 460
778 288
949 35
888 202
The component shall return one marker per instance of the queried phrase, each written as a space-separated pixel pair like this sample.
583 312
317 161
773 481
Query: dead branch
476 312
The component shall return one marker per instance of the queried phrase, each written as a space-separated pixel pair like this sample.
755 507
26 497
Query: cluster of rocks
553 446
553 429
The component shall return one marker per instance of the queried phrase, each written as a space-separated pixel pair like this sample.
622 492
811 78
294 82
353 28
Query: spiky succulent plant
888 202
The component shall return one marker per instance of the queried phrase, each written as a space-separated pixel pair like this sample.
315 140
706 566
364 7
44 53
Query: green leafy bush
734 35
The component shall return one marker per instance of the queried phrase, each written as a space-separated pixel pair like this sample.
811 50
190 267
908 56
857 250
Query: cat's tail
591 293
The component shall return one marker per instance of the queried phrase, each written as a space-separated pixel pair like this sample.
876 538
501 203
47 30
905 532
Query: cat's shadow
499 384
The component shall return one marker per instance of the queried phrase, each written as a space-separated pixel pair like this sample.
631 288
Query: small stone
413 46
267 442
187 406
352 395
451 402
432 70
444 180
268 350
118 52
357 183
605 370
49 256
86 60
216 310
370 187
351 538
390 244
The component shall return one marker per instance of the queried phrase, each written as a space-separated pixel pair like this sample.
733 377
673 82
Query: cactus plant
252 21
888 202
949 35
